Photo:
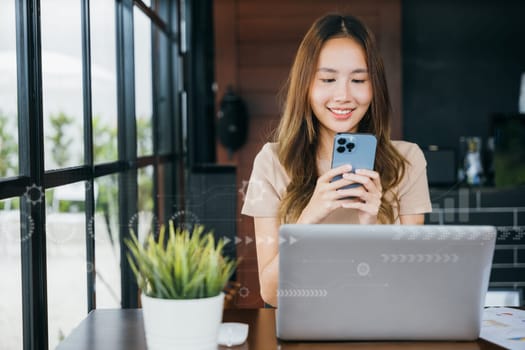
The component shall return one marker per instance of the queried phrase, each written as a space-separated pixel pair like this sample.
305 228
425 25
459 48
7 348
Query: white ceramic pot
191 324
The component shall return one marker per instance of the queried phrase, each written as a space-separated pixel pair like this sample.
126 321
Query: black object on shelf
509 149
232 125
441 166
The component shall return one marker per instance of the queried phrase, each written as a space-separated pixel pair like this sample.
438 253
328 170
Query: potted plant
181 278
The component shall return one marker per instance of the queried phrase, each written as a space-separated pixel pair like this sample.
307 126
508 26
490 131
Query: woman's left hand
367 198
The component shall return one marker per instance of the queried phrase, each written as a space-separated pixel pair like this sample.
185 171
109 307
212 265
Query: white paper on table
504 326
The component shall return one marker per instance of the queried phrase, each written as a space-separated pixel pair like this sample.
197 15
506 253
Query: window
10 232
62 83
159 8
8 92
104 228
103 81
10 270
143 92
66 259
85 166
147 221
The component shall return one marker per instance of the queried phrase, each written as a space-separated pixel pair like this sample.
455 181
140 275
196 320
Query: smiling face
341 92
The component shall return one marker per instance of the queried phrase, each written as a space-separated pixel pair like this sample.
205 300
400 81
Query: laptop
382 282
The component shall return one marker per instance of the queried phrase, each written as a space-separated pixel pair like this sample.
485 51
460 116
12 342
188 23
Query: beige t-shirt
269 180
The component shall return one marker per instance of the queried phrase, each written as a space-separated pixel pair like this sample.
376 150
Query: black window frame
168 158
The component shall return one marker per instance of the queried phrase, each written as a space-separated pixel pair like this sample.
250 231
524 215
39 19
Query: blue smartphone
358 150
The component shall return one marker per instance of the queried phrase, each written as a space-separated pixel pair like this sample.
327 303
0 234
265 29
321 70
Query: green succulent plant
185 266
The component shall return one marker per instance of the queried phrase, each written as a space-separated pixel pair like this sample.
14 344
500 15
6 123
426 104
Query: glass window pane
147 222
107 247
8 91
143 91
103 80
66 260
161 47
161 8
10 270
62 83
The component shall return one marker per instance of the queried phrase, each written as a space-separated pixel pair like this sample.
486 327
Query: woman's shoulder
409 150
266 165
268 151
270 147
267 157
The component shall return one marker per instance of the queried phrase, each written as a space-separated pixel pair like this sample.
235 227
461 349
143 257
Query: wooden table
122 329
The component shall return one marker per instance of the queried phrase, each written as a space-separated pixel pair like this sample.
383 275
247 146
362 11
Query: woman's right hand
325 198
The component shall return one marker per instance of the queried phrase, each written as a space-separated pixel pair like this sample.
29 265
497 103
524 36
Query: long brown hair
297 133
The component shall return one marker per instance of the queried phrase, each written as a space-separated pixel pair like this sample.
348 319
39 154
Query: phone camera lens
341 141
340 149
350 146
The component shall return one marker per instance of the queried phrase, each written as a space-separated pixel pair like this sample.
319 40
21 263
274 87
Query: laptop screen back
382 282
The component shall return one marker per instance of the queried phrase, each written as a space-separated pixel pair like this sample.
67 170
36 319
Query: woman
336 84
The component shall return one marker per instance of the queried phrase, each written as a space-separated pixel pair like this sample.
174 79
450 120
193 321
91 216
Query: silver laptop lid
382 282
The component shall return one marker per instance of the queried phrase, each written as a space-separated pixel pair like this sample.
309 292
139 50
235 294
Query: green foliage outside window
144 142
8 155
60 139
104 143
145 178
104 147
8 147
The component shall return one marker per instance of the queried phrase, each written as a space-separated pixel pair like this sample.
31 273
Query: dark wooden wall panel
301 8
262 79
255 43
267 54
272 29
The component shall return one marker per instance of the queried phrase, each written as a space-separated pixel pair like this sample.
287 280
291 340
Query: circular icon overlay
363 269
